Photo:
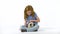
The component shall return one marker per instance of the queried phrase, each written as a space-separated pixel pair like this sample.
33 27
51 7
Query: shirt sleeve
35 15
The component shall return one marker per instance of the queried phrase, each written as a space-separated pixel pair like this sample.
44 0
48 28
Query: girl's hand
37 20
31 20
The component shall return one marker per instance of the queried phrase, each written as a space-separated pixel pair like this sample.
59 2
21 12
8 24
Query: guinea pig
30 24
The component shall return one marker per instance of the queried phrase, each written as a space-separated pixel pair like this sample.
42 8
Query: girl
30 16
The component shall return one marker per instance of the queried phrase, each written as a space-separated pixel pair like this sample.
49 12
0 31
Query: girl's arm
38 20
25 22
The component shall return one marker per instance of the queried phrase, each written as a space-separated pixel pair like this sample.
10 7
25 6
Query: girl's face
28 13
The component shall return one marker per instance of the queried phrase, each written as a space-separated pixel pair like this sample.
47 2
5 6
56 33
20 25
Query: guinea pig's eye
33 24
30 24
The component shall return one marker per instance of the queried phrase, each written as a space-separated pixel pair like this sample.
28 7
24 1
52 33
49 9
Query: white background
12 15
